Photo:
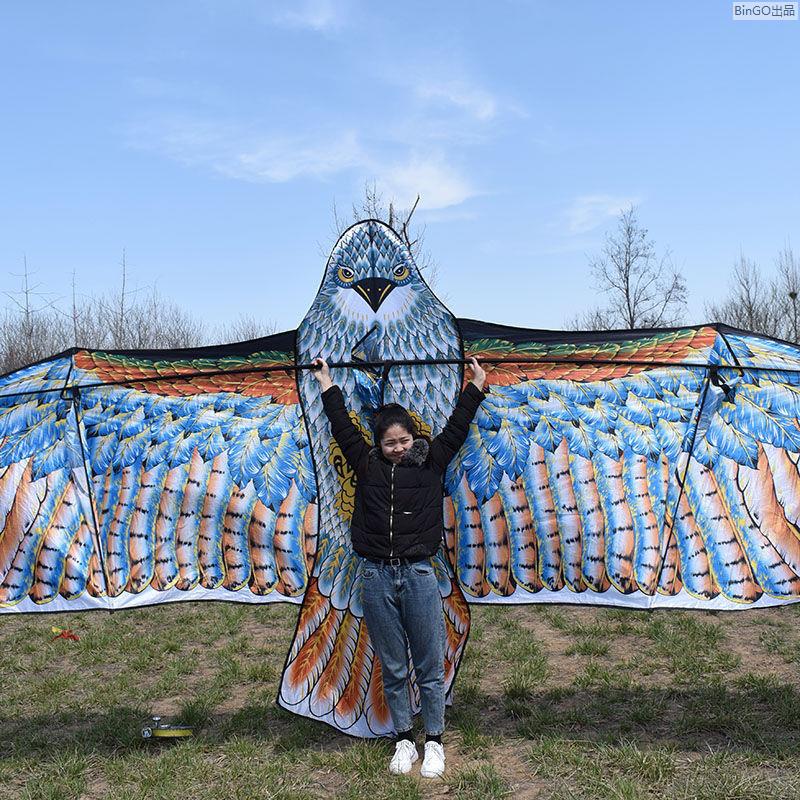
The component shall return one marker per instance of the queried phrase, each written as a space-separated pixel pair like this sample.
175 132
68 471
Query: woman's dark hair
392 414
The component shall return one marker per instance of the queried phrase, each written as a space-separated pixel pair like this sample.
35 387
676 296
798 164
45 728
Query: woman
396 529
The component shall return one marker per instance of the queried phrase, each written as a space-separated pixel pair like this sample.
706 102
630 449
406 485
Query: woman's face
395 442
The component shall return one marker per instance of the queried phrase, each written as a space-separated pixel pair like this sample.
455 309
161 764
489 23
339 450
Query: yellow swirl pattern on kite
345 497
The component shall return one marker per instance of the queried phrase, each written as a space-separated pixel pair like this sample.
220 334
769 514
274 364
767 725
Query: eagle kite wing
137 478
629 468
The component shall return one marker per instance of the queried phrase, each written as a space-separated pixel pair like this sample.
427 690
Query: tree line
642 288
639 286
34 326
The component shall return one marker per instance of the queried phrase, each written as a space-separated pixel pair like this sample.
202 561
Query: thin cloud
279 159
438 184
315 15
590 211
228 151
477 102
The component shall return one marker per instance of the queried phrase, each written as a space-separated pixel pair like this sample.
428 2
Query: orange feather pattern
188 526
116 543
377 711
310 534
96 583
470 553
496 544
524 552
669 582
27 498
51 557
588 501
758 488
141 531
73 584
260 534
449 531
333 680
305 668
312 612
235 545
351 704
731 570
291 581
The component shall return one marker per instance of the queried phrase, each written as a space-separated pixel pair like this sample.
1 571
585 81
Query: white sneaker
433 763
405 754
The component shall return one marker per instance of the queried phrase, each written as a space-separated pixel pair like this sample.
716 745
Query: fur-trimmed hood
415 456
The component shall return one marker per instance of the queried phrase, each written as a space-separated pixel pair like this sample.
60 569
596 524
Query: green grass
549 702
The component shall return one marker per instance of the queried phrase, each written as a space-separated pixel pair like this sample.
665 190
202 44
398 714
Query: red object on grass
66 634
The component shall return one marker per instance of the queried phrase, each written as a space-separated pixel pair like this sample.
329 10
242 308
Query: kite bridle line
382 366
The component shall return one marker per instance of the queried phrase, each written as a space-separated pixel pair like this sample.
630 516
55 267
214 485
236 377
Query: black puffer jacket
398 508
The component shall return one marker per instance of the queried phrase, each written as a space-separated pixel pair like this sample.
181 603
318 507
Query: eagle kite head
371 272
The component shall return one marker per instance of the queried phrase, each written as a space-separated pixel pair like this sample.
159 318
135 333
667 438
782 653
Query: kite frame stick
381 365
74 398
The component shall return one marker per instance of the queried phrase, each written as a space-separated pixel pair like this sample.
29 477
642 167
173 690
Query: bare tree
750 300
788 292
643 289
30 328
243 328
762 303
34 327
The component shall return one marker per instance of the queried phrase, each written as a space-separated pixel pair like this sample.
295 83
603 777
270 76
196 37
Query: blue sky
211 139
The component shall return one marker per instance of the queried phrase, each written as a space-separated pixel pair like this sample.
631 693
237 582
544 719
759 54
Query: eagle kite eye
345 274
400 272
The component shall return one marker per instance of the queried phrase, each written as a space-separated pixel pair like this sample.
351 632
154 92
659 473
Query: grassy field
551 702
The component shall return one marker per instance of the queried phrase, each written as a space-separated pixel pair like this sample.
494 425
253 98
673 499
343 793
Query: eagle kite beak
374 291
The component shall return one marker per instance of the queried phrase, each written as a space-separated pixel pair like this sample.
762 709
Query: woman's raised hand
322 374
478 375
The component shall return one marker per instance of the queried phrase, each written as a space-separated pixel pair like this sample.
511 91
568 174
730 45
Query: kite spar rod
411 362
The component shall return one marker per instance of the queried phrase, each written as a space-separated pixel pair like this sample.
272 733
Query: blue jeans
403 609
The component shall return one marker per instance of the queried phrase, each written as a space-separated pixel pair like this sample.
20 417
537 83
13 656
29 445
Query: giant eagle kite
654 468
